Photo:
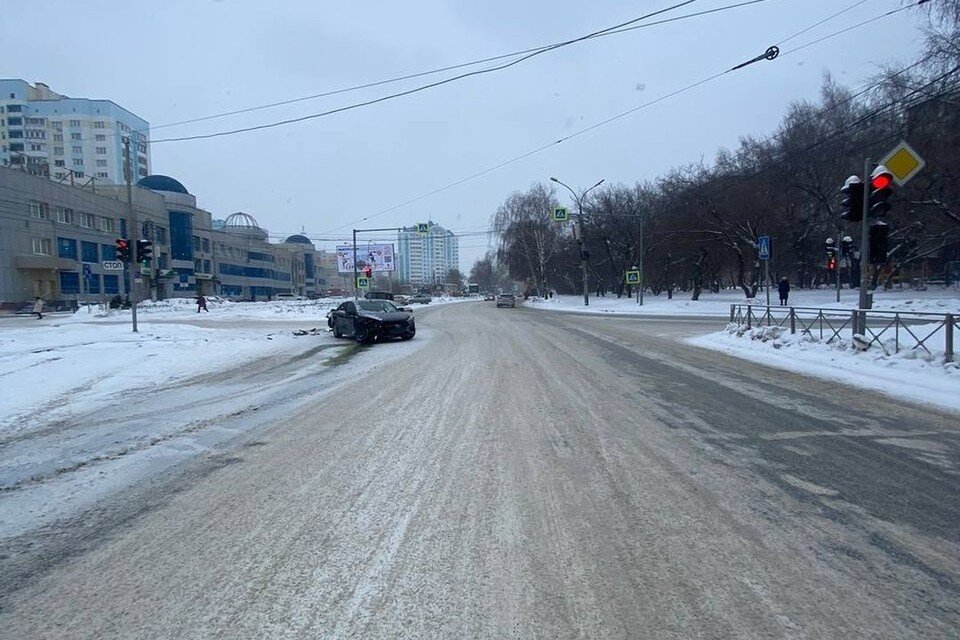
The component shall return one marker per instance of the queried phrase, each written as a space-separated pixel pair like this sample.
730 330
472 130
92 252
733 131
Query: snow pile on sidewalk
718 304
76 366
911 373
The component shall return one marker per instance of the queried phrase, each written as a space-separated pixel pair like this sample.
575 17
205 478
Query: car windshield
376 306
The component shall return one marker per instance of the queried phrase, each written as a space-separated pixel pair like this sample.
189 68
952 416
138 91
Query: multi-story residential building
54 239
425 258
69 139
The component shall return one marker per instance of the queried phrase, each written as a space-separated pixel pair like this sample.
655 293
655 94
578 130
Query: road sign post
763 252
560 214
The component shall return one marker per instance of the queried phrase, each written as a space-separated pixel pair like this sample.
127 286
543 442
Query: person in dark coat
202 303
784 289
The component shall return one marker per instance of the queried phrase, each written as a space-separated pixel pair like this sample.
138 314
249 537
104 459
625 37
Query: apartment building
425 256
69 140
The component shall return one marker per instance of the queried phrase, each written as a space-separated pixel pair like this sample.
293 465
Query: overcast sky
181 59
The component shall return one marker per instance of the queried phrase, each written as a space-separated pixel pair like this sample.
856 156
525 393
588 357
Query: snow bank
912 374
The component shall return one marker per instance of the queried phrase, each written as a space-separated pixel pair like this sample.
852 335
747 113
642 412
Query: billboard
377 256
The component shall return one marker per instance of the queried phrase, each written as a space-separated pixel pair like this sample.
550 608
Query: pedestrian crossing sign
560 214
423 227
633 277
363 282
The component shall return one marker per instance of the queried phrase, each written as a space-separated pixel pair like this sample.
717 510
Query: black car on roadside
367 321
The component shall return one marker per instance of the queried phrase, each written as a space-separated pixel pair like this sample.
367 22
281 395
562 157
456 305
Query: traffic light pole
865 301
841 259
131 231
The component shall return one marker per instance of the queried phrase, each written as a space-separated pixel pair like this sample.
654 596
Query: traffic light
881 188
831 263
368 271
831 254
879 234
851 204
144 250
123 250
846 247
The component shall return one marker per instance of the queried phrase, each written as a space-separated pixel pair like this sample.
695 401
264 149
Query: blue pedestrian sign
87 273
763 247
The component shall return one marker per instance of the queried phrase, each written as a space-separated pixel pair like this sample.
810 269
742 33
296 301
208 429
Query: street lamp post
583 255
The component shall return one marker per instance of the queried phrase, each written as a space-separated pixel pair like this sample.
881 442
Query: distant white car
506 300
288 296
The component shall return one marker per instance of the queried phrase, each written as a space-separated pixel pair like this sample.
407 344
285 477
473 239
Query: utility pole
132 231
640 294
582 235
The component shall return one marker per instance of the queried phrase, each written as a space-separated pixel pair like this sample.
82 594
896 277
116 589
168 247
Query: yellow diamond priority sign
903 162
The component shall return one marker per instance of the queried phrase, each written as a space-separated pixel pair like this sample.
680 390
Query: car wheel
362 334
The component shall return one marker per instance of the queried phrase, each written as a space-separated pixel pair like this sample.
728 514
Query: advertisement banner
377 256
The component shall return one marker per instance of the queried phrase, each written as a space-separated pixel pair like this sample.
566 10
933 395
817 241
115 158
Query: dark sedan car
369 320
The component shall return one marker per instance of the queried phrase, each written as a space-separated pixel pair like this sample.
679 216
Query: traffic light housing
144 250
879 241
846 247
881 188
831 255
851 202
368 271
123 249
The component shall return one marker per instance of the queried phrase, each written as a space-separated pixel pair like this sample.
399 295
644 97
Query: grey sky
181 59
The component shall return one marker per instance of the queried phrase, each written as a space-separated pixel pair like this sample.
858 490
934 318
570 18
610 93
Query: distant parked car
369 320
378 295
420 298
285 296
506 300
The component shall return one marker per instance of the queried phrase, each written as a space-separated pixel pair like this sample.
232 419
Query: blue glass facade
88 251
67 248
69 282
181 235
111 284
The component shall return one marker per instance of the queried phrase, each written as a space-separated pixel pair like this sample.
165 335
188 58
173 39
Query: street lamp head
554 179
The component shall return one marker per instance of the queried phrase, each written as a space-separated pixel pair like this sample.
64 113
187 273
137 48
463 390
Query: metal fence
892 331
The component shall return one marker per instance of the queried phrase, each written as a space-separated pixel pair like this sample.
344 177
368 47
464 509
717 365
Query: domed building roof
159 182
240 220
299 239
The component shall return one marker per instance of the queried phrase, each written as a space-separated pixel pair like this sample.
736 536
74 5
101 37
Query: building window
111 284
36 147
101 174
59 175
78 162
198 266
64 215
78 174
88 220
161 234
93 283
206 266
88 251
42 246
102 150
106 224
77 149
101 163
58 137
196 243
39 210
98 124
74 123
67 248
69 282
108 252
181 230
75 136
206 245
101 137
57 125
58 151
16 134
15 122
59 163
162 263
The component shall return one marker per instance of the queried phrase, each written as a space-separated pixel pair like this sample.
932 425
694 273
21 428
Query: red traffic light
882 181
881 178
367 271
831 264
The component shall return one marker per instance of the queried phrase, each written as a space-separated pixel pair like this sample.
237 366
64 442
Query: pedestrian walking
784 289
202 303
38 307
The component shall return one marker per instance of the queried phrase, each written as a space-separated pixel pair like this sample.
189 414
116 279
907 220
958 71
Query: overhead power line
619 28
614 118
